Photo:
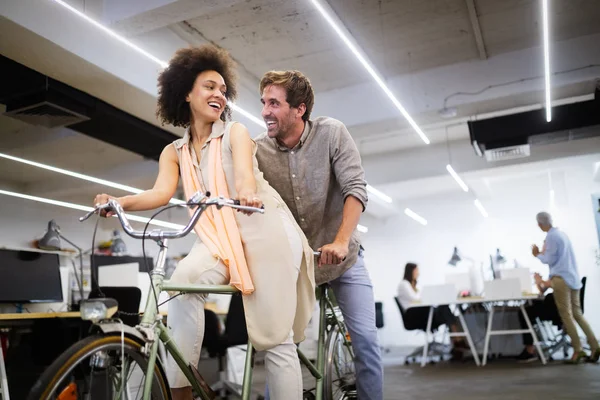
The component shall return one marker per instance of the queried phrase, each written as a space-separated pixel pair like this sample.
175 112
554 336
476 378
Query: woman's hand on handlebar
249 198
102 199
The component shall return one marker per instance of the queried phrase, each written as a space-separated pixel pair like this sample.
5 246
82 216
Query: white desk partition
439 294
522 274
500 289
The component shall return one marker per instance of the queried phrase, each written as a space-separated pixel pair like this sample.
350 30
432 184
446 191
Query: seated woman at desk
408 295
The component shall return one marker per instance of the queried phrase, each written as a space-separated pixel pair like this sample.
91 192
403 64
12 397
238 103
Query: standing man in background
564 279
316 168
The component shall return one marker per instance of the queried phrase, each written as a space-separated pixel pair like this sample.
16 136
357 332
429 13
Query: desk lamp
499 257
51 241
455 259
474 275
118 247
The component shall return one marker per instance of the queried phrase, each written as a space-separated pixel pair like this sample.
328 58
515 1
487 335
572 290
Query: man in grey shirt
316 168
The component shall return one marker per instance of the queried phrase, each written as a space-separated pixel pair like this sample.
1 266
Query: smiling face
207 98
280 117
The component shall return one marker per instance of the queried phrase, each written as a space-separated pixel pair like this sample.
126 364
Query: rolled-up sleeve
347 166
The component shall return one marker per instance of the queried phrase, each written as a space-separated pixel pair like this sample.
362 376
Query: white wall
454 221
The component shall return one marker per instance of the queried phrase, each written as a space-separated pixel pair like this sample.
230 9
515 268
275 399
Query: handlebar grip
237 203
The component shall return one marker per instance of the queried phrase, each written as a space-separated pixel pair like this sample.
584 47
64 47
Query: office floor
499 380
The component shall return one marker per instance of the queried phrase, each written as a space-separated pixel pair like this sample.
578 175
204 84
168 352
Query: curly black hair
177 80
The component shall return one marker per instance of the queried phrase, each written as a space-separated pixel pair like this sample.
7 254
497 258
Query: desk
466 334
480 300
489 332
40 315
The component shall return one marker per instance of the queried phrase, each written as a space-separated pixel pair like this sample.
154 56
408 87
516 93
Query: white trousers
186 321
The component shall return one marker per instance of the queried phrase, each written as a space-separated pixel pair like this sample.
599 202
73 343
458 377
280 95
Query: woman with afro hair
266 256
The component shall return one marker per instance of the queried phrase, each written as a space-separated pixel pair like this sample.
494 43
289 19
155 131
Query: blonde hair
298 89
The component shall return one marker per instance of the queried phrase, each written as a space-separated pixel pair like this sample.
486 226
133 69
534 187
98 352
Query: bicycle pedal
211 394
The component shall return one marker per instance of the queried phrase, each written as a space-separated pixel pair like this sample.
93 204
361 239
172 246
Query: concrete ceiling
481 57
400 37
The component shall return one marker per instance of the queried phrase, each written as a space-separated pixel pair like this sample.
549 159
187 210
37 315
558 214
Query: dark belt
361 250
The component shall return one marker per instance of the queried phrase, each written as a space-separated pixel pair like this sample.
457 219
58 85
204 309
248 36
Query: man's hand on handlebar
249 198
333 253
102 199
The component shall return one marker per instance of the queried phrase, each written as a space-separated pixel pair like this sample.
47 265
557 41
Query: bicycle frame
154 331
319 370
153 327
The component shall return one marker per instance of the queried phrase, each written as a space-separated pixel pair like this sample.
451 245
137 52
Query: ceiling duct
517 135
45 107
40 100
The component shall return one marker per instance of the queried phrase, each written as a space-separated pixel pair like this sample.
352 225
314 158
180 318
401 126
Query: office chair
236 333
379 322
561 341
128 297
435 349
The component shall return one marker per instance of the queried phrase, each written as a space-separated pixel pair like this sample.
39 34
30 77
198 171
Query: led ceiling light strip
379 194
547 59
104 182
415 216
343 33
457 178
143 52
81 176
481 208
88 209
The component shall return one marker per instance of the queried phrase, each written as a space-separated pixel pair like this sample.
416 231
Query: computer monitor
29 277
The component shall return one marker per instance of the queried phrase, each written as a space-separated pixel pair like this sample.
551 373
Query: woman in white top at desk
408 295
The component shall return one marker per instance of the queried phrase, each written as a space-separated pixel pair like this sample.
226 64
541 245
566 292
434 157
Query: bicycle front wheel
101 367
340 374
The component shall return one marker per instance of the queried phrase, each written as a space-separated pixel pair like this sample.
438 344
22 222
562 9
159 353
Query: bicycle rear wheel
101 367
340 374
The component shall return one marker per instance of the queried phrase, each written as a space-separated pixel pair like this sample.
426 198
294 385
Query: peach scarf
217 229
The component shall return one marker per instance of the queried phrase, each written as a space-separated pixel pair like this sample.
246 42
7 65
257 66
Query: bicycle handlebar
199 200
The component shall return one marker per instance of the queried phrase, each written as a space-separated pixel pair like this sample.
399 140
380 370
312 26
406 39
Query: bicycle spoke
341 374
140 388
126 371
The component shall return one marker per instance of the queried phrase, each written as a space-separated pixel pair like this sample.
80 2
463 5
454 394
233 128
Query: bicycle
110 352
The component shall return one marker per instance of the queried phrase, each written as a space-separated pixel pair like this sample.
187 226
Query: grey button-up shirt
314 179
